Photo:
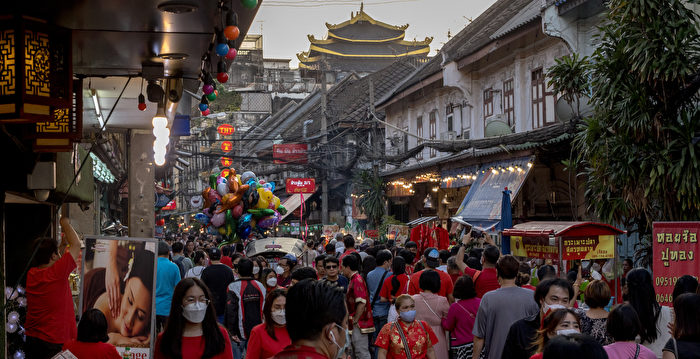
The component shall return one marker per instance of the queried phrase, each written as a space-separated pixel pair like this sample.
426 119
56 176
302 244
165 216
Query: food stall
274 247
565 241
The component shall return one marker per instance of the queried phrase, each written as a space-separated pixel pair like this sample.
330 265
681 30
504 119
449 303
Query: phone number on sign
667 281
664 298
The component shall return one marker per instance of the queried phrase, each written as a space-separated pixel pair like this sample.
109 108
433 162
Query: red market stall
564 241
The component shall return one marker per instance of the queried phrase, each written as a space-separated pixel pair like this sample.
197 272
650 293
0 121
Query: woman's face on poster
135 309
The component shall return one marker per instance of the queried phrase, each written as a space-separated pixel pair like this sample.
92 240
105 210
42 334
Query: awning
481 206
293 202
421 220
562 229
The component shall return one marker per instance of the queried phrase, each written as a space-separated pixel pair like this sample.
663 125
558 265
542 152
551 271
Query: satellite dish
567 111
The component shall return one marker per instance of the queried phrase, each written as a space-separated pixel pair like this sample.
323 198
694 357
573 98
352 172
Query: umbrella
506 220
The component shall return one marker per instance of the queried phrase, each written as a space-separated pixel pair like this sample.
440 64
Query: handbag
407 349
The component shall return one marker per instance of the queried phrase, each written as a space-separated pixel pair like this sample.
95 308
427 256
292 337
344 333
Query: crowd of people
369 300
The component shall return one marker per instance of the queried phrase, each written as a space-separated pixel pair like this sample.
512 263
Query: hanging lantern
221 76
232 52
250 4
212 96
221 45
206 112
142 102
231 31
204 104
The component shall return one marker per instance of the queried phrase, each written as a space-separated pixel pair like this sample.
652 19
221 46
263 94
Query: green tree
638 151
371 196
227 101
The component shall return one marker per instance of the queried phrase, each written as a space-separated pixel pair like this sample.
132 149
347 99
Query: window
405 139
433 131
488 103
538 93
419 132
508 102
449 115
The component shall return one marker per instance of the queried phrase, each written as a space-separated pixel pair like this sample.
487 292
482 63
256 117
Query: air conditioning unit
448 136
466 134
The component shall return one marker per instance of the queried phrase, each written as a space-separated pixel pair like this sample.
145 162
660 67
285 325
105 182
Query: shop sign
226 161
533 247
397 232
225 130
300 185
139 256
290 153
675 248
171 206
226 146
601 247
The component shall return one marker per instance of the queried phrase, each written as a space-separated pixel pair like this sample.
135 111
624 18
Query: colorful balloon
238 211
201 218
222 188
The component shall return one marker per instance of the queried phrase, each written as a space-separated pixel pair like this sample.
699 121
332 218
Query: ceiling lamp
162 133
177 7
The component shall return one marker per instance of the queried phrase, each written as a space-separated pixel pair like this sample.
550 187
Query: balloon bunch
235 205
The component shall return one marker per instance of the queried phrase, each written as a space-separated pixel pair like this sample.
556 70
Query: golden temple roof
362 16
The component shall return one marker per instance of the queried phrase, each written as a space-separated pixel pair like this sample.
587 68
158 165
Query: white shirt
195 272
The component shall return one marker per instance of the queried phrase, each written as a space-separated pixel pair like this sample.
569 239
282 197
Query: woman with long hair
200 260
268 278
623 326
557 322
460 318
271 337
685 342
654 317
192 331
395 285
406 335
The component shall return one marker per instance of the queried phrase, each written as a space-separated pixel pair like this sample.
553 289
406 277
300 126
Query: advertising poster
533 247
300 185
675 247
398 232
600 247
118 278
290 153
329 230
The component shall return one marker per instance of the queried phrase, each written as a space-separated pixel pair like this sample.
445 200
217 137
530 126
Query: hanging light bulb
221 76
231 31
206 112
142 102
250 4
162 134
203 104
221 45
232 52
212 96
208 83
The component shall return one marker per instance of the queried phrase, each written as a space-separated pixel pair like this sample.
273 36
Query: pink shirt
460 320
625 350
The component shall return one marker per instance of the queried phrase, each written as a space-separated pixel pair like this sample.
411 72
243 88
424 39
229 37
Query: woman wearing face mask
557 322
269 278
192 331
406 332
316 322
270 337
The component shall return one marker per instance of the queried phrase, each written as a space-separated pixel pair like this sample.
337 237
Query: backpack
181 266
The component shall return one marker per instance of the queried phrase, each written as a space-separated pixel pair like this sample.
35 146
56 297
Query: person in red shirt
317 320
357 299
192 331
397 283
92 338
50 321
271 337
485 280
432 260
406 334
349 242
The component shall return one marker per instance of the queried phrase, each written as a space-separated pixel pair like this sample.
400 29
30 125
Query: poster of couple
118 278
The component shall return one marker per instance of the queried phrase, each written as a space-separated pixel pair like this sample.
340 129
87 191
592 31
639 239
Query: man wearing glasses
333 276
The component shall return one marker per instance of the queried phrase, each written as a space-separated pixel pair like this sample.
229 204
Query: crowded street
421 179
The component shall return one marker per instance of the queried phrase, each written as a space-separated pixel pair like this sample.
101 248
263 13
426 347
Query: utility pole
324 141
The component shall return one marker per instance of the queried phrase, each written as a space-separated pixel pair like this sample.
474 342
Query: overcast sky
285 23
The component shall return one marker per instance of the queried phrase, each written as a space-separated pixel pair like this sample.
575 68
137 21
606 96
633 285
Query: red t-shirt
529 286
99 350
299 352
50 314
227 261
446 285
262 346
193 347
385 292
485 282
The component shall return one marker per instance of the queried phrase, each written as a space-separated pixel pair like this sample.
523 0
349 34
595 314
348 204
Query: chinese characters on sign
675 246
300 185
290 153
225 130
226 146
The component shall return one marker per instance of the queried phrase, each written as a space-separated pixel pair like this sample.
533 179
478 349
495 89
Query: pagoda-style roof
362 38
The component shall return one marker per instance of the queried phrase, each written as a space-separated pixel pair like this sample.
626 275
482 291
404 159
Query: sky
285 23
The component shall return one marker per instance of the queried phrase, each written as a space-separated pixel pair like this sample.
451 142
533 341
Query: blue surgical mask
341 350
408 316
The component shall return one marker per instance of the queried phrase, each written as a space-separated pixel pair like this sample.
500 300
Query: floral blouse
418 334
595 328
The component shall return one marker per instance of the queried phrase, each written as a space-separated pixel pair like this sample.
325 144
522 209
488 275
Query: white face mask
256 270
278 317
271 282
568 331
279 270
194 312
546 308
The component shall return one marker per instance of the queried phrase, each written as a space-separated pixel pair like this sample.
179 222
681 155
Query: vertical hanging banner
290 153
675 248
132 263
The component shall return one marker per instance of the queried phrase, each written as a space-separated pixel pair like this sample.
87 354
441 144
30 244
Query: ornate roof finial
362 6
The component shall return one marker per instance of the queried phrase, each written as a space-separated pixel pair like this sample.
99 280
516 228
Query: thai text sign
300 185
588 247
225 130
533 247
226 146
290 153
675 247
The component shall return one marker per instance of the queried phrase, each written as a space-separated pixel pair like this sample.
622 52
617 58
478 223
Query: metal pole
324 140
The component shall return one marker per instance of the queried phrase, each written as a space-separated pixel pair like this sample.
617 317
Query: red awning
562 229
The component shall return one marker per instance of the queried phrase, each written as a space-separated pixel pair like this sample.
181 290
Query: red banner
675 247
225 130
372 233
226 146
300 185
226 161
290 153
